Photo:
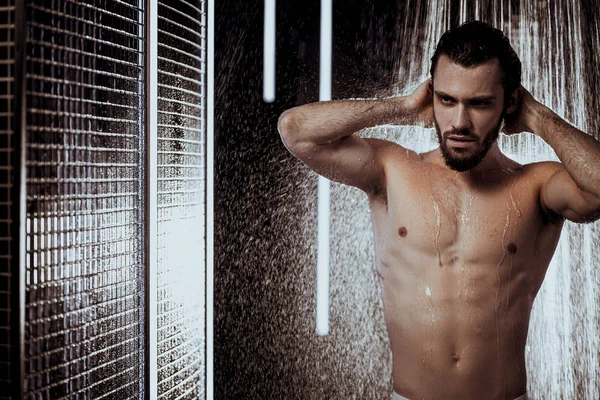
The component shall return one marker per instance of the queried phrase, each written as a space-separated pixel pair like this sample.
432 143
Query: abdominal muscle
459 266
447 340
457 299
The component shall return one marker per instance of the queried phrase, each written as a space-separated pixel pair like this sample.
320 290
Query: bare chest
426 217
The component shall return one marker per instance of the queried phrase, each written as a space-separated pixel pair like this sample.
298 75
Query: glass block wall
84 323
85 334
7 137
181 198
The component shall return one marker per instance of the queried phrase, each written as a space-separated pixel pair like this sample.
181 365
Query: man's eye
446 99
479 103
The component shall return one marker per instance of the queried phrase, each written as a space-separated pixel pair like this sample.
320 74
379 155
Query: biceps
562 195
351 160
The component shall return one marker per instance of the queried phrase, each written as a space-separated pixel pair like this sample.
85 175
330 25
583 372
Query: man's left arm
573 190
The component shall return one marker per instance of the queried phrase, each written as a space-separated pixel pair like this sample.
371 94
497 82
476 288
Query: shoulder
538 175
391 157
541 171
387 151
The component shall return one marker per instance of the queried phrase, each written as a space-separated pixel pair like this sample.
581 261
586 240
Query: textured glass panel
181 199
84 330
7 37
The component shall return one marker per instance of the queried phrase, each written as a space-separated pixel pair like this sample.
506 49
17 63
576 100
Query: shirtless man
463 235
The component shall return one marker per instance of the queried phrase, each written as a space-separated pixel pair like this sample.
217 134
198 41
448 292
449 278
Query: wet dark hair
475 42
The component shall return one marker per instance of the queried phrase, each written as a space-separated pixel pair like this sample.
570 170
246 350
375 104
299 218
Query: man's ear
515 100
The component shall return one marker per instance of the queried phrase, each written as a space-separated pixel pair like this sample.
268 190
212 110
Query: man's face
468 106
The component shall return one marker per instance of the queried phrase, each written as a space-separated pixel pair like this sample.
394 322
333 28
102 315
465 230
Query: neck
494 160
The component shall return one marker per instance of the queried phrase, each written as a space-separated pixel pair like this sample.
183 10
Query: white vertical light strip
325 56
210 146
151 194
324 185
323 258
269 52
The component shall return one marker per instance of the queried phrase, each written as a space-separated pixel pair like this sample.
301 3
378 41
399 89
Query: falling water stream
562 352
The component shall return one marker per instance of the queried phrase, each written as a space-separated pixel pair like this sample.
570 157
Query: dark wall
266 210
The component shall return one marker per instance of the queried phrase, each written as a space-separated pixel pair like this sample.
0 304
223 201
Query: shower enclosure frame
151 219
18 213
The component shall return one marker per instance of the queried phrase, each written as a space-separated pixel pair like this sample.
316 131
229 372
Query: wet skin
460 255
460 261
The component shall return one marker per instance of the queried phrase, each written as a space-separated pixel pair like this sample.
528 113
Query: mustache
463 133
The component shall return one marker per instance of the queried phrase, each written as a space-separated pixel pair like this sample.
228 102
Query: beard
464 159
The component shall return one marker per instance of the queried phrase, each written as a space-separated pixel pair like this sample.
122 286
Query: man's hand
420 104
526 116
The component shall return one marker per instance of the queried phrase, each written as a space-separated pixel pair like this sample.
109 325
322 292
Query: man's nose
461 119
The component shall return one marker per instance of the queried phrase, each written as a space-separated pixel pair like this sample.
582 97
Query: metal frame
19 208
210 147
150 223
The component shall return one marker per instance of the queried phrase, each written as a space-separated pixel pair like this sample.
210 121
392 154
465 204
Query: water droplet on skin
428 294
427 348
465 216
438 218
512 247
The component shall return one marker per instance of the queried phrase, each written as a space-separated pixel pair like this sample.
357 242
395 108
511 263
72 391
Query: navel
402 232
512 248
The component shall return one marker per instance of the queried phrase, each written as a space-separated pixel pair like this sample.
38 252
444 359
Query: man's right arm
322 135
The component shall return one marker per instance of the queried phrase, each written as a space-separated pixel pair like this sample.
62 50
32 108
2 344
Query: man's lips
460 138
460 141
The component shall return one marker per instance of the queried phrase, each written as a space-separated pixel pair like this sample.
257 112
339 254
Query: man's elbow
289 127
